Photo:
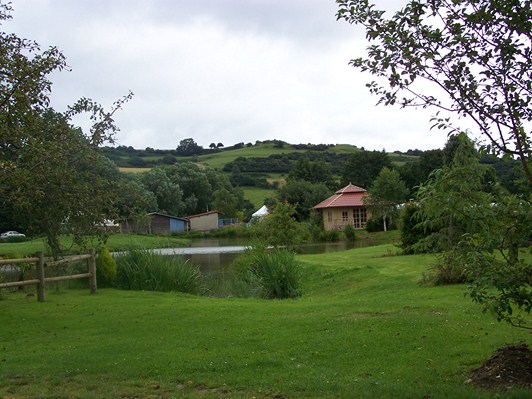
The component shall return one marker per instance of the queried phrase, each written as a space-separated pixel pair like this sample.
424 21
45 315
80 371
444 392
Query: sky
226 71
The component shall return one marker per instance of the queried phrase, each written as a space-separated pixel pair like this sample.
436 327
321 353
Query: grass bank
363 328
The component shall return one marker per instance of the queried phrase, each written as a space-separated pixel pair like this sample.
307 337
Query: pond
216 255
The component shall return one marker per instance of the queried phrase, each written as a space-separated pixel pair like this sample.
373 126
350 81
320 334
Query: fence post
40 277
91 262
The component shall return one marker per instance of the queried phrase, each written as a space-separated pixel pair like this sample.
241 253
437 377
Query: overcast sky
220 71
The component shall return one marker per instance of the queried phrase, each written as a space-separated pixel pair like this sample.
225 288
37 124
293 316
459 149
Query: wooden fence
41 264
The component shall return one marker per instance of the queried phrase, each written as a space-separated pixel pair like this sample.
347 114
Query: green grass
116 242
257 195
362 328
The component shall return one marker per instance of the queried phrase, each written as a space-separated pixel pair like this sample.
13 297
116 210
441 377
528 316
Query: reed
143 269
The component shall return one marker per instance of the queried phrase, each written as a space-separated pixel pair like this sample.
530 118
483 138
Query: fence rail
41 264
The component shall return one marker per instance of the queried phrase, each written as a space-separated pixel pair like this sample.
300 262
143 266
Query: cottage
204 221
345 207
156 223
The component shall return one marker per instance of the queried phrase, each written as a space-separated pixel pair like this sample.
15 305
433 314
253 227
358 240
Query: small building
345 207
155 223
204 221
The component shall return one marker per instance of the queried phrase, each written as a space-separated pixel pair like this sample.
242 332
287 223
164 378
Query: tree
303 195
134 200
363 167
195 185
188 147
417 172
467 57
312 172
386 192
72 191
227 202
447 198
167 192
279 228
478 233
48 169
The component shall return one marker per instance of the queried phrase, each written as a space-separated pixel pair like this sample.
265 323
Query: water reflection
216 255
214 263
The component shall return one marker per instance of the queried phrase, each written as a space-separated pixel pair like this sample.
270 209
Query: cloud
225 71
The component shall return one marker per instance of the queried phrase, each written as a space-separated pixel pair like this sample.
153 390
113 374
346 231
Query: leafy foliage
478 234
317 172
474 55
188 147
412 231
48 178
416 172
274 274
280 228
349 232
303 195
385 194
141 269
105 267
363 167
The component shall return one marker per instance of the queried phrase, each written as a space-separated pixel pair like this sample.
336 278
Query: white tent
263 211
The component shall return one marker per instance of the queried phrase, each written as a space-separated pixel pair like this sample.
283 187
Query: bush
414 237
449 269
271 274
141 269
105 267
14 239
349 232
375 224
330 236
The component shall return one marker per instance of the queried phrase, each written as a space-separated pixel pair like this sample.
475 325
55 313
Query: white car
8 234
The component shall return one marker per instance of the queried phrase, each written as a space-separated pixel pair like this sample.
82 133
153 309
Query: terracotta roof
348 196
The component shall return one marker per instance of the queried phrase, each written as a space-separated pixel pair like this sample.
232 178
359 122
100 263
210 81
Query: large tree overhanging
475 56
48 167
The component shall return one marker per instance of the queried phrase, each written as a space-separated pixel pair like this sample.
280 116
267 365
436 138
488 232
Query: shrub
375 224
14 239
105 267
331 236
269 274
141 269
349 232
414 237
449 269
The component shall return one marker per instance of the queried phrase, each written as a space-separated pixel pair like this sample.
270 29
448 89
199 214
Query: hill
256 168
218 158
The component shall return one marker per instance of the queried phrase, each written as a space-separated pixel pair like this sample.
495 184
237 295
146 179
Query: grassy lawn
363 328
257 195
116 242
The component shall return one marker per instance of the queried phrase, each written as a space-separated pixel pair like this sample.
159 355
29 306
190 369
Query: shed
204 221
156 223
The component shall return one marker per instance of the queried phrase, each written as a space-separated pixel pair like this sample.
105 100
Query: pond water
216 255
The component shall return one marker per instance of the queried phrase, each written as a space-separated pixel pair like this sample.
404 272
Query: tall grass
272 274
142 269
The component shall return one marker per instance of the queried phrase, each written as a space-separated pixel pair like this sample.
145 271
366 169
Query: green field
363 328
257 195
